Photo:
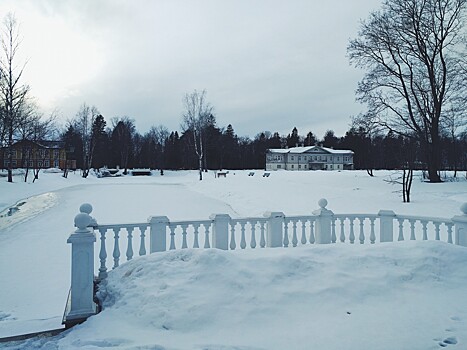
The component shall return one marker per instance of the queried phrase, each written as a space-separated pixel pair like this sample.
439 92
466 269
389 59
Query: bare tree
403 177
195 118
34 128
84 121
158 136
122 138
413 53
12 92
453 125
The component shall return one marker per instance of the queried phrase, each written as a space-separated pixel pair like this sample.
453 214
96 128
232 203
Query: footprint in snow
5 316
448 341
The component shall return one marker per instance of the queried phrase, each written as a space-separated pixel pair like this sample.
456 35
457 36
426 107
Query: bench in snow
141 172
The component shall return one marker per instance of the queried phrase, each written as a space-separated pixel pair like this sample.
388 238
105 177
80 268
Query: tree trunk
433 168
200 159
407 184
10 153
404 186
434 154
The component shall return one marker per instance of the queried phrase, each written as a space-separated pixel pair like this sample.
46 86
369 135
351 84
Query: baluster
196 228
262 242
172 237
372 229
437 230
294 234
312 231
206 235
425 234
102 255
401 229
333 230
253 234
142 244
233 245
243 239
361 236
352 235
303 239
449 232
184 242
412 230
129 249
116 252
342 236
286 233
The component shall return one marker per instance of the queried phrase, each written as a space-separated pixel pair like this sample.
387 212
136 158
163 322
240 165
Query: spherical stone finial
82 221
464 208
85 208
322 203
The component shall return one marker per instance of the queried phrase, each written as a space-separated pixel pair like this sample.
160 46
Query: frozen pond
26 209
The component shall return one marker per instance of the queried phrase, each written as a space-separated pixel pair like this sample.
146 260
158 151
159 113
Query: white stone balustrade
274 229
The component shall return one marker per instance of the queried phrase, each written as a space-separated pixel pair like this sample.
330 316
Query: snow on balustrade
347 223
424 228
113 245
245 231
189 234
295 226
275 229
272 230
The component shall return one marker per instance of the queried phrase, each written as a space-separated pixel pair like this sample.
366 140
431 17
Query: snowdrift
408 295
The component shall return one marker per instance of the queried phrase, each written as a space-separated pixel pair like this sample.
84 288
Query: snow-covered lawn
407 295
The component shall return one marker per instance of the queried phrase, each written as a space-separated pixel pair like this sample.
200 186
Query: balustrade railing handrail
424 218
356 216
191 222
300 217
291 217
221 231
112 226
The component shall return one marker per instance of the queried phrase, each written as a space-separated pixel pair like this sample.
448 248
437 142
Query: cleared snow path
26 209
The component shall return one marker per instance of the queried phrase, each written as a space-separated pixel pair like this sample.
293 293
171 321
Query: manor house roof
310 149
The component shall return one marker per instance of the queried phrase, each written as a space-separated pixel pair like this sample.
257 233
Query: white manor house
309 158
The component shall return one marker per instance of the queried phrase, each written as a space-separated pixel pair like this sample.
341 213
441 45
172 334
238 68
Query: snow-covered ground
406 295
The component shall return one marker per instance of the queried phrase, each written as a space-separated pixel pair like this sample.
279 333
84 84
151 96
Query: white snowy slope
407 295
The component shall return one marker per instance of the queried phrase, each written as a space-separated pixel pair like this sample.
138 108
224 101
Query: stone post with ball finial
81 302
323 223
460 227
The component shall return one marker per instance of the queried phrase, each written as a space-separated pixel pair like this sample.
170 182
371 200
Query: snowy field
405 295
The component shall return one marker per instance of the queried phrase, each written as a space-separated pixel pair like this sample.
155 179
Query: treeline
94 144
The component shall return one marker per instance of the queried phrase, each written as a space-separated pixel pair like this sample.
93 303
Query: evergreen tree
73 144
330 140
100 140
310 139
293 138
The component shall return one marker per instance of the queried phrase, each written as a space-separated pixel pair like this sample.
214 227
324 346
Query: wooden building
37 155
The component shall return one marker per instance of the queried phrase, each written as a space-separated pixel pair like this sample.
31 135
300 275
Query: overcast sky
266 65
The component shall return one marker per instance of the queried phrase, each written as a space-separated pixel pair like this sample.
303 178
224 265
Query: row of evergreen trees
121 145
